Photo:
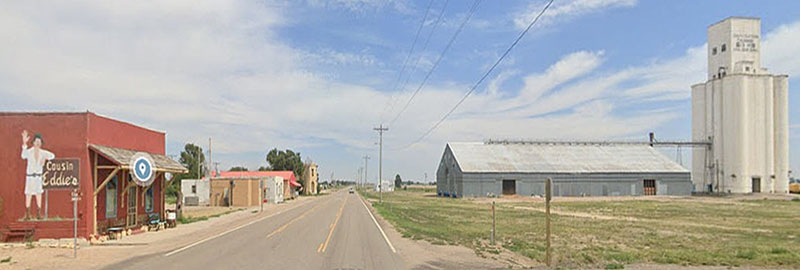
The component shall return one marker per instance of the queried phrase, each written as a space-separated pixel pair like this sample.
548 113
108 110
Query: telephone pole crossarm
380 129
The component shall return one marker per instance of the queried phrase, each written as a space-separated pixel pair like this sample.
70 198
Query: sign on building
142 169
61 173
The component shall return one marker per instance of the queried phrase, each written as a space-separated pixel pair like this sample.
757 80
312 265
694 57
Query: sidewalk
145 244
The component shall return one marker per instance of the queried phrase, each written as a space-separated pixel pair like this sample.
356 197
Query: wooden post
493 223
548 190
94 196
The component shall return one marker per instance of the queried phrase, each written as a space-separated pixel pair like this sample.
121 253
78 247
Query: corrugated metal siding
479 184
560 158
596 184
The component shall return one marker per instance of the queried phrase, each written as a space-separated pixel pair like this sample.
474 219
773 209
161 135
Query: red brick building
103 148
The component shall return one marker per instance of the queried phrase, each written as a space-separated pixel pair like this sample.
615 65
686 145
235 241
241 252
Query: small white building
388 186
195 192
743 111
273 189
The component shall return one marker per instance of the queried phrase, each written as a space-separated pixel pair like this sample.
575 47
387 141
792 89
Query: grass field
685 231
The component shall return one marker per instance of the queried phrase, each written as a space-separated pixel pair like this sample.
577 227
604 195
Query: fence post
493 223
548 190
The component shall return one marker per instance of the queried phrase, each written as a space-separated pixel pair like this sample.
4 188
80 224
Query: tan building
242 188
310 178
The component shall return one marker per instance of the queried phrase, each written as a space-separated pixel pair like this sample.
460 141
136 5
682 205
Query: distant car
352 191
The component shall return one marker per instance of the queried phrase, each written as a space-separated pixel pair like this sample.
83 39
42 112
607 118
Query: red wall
110 132
64 134
67 135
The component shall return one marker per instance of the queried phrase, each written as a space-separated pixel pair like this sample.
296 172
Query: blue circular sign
142 169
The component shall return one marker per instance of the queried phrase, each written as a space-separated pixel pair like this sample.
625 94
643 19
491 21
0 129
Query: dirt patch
205 211
734 199
633 219
423 255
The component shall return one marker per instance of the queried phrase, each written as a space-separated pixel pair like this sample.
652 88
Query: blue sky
316 76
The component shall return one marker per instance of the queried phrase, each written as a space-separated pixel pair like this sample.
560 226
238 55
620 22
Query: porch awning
294 183
122 157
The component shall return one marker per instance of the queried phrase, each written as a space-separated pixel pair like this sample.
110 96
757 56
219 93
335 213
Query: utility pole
380 129
360 177
366 176
210 163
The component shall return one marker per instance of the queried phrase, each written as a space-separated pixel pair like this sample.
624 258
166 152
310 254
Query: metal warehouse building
478 169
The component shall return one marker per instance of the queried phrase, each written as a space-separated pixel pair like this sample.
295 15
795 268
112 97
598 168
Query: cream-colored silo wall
754 126
769 135
715 120
781 112
699 133
734 133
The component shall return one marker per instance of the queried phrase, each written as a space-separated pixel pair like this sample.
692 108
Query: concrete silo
742 110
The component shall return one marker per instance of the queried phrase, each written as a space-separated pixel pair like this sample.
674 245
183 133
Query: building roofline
125 122
86 113
42 113
736 17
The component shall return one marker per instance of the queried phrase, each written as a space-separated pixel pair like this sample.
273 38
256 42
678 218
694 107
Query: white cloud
494 85
217 69
780 51
565 10
362 6
568 68
328 56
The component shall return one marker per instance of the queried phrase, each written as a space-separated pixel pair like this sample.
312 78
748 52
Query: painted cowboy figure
36 157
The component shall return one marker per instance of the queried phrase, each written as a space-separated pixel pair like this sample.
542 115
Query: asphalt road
333 232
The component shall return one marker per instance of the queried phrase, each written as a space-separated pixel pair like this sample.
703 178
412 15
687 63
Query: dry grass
683 231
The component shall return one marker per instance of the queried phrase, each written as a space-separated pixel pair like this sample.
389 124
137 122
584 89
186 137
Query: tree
193 159
397 181
238 169
285 161
263 169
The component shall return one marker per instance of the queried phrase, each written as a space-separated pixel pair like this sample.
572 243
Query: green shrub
747 254
779 250
615 266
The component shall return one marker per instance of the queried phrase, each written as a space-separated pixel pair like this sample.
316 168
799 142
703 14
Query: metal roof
561 158
122 158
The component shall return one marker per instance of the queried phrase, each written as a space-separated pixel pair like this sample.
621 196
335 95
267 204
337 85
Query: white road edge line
228 231
378 225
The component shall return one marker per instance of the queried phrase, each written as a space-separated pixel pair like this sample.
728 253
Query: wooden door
509 187
650 187
132 196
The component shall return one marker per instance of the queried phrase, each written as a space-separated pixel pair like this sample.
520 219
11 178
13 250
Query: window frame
112 211
148 199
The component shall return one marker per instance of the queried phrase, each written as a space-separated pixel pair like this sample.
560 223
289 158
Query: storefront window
111 198
148 200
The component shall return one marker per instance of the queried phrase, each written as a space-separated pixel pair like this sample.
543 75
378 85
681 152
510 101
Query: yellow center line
293 220
333 226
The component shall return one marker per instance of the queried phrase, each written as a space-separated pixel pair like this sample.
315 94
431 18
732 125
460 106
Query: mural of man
36 157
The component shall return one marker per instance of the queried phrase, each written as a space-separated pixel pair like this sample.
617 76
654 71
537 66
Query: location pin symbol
142 168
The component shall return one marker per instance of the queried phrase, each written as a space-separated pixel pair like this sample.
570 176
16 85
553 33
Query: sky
317 76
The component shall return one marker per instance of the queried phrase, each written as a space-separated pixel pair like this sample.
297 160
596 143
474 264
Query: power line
438 60
475 86
424 47
413 44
